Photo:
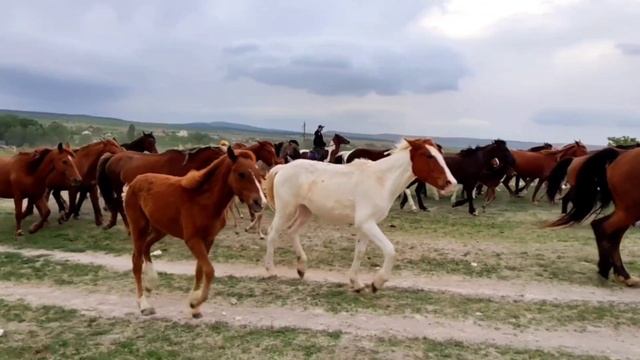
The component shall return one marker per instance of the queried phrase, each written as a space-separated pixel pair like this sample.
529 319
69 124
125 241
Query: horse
471 166
25 176
191 208
369 154
329 152
114 171
360 193
145 142
605 177
545 146
566 170
288 151
87 163
538 165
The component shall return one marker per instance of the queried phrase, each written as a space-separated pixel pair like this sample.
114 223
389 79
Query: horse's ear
231 154
60 147
144 133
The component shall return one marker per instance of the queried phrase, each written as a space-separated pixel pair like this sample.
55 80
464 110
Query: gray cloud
577 118
350 69
46 89
631 49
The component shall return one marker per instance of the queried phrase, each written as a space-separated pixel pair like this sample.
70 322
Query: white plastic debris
474 264
156 253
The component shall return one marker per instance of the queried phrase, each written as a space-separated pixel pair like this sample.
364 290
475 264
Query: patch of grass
335 298
53 332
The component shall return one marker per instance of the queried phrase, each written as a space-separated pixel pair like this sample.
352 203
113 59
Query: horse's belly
333 211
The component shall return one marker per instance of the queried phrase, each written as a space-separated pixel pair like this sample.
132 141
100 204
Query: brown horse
145 142
330 153
25 176
370 154
190 208
87 163
114 171
604 177
538 165
287 151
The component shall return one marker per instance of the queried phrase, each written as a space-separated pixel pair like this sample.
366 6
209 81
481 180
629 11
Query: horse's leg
278 226
149 274
412 205
566 199
421 188
256 222
489 196
463 200
95 203
17 202
604 248
197 297
44 212
116 207
237 207
28 211
71 208
535 191
302 216
78 203
469 191
615 227
371 230
505 182
517 184
361 247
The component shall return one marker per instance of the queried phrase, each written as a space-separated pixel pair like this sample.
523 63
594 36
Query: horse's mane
400 146
95 144
195 179
469 151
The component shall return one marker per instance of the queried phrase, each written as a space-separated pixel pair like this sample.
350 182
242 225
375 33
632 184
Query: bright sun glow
473 18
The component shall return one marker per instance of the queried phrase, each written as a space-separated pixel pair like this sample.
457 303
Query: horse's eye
65 162
242 175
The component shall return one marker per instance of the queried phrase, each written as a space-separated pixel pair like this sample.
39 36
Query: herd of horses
188 194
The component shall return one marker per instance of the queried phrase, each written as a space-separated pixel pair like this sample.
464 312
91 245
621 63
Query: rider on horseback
319 145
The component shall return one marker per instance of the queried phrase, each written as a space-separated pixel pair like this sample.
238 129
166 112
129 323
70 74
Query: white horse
360 193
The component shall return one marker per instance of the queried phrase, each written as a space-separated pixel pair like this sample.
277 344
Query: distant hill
231 127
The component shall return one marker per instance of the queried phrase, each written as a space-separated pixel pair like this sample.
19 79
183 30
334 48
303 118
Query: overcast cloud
543 70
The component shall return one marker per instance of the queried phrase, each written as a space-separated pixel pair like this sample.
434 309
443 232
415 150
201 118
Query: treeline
24 132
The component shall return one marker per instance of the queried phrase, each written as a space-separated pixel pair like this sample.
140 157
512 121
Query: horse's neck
396 170
45 169
87 158
219 192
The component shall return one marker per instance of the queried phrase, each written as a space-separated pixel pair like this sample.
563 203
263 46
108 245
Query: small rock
156 253
237 318
474 264
418 317
224 313
392 226
233 301
1 332
478 314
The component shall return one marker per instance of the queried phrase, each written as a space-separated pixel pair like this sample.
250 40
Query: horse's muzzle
256 205
76 181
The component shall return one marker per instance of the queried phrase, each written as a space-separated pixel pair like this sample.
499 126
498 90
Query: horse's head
498 150
245 179
111 146
288 151
428 164
148 141
574 149
340 140
64 164
265 151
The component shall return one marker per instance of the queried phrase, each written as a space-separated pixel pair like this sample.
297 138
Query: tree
57 132
621 140
131 132
198 138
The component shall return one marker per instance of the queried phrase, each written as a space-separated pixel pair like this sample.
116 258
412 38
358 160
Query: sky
539 70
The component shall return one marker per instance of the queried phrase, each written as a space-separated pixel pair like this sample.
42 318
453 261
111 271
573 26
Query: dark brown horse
471 166
145 142
25 176
607 176
330 152
370 154
114 171
538 165
288 151
190 208
87 158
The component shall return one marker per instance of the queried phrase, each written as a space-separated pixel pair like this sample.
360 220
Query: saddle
318 154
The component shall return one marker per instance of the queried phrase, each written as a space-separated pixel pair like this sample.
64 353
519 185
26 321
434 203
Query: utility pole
304 131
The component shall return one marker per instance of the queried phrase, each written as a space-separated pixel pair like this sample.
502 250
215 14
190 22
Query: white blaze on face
436 154
262 197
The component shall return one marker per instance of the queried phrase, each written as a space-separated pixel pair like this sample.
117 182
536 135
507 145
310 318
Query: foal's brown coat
190 208
25 175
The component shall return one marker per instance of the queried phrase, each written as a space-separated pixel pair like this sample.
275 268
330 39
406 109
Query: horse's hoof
197 315
19 233
374 288
148 311
301 274
630 282
359 289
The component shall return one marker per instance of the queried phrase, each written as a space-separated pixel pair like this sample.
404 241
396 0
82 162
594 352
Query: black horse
471 166
145 142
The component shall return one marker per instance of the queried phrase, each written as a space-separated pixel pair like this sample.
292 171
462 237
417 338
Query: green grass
335 298
51 332
507 241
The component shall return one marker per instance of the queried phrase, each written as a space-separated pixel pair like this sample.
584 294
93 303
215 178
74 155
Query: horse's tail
269 186
104 183
591 188
557 175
